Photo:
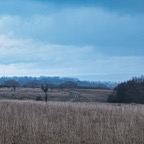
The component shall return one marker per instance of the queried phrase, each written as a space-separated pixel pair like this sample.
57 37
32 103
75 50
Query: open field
23 122
75 95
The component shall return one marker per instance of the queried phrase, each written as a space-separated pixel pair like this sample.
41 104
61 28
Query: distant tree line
131 91
54 82
66 85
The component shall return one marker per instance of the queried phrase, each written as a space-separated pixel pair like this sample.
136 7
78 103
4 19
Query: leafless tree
45 90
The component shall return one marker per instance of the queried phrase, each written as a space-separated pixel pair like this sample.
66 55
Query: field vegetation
47 114
31 122
65 95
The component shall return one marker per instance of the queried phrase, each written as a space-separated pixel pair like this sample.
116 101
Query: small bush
112 98
38 98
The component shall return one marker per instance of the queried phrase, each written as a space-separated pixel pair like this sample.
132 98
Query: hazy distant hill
57 81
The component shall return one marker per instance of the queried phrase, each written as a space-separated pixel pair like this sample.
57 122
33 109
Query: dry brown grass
23 122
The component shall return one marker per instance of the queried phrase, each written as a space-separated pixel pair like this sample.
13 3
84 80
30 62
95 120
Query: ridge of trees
11 83
131 91
65 82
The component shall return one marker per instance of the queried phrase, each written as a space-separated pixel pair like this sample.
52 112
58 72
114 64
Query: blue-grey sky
89 39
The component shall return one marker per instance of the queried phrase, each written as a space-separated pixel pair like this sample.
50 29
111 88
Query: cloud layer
61 60
95 40
32 6
86 26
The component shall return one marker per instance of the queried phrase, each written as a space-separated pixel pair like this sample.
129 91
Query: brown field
76 95
29 122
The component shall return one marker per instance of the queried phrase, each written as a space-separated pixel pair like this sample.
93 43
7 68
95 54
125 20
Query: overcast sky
89 39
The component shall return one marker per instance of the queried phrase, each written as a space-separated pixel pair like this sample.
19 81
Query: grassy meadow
64 95
30 122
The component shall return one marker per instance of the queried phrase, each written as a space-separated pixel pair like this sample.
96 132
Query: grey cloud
111 33
28 7
124 6
25 8
25 57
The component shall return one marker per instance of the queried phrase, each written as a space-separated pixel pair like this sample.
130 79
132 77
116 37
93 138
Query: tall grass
67 123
